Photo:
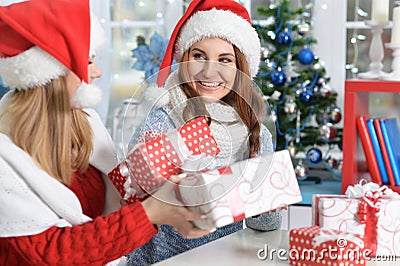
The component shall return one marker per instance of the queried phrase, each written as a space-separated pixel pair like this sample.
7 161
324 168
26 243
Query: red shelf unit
356 103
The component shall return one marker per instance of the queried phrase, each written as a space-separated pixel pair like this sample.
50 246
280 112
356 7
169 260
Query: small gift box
246 188
318 246
149 164
368 210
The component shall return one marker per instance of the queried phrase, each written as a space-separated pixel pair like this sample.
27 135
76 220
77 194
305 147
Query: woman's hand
161 211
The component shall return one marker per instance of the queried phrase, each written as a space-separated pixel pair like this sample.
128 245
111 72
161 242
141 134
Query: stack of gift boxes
350 229
243 189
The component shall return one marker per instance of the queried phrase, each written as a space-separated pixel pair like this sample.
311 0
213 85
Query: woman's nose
210 68
95 71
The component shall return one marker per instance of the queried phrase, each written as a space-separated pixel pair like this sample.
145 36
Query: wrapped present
149 164
314 245
246 188
368 210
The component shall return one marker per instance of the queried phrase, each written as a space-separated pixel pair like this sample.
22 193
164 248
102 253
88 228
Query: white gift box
244 189
340 212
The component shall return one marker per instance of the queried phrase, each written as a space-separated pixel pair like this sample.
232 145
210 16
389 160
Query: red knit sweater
94 243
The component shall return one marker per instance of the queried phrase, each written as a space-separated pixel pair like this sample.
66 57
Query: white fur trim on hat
29 69
222 24
35 67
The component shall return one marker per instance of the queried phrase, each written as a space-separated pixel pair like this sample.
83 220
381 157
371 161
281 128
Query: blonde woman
57 207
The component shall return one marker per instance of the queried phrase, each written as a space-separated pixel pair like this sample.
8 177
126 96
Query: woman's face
73 81
212 67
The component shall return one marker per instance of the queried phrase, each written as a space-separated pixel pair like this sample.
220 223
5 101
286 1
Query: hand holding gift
243 189
149 164
170 211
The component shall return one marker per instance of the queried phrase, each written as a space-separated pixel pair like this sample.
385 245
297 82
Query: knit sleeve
156 122
265 222
266 141
97 242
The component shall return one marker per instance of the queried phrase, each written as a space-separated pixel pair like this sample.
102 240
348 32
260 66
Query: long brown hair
42 123
247 102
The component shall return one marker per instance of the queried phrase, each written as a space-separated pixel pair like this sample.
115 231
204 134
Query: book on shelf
391 135
377 151
385 155
368 148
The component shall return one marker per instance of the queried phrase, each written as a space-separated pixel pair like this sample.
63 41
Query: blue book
377 151
391 135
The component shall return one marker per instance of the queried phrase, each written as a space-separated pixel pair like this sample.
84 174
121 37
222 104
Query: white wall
329 29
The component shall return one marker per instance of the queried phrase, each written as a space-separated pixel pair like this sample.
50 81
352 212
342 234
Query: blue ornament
284 38
314 156
306 96
306 56
278 78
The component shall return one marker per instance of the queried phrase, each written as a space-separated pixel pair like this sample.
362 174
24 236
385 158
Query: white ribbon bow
370 189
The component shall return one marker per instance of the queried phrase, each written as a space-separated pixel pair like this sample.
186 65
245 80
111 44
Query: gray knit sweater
167 242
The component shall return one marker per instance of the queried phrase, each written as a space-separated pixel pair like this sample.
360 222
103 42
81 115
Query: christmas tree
296 85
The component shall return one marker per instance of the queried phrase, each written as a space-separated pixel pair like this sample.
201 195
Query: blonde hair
243 98
42 123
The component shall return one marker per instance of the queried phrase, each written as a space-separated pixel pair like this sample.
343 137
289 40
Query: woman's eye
199 56
225 60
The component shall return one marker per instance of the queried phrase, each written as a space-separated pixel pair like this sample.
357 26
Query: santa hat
224 19
42 39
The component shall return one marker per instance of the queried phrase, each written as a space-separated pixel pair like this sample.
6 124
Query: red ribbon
368 214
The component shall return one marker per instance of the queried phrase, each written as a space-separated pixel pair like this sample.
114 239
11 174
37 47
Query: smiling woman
57 205
217 51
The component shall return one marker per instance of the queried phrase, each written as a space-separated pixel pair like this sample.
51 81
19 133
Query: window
334 25
124 21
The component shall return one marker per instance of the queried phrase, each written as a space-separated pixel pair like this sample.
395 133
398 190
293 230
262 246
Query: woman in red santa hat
55 206
218 53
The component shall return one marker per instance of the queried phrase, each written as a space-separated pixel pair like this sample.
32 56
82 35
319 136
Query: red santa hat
42 39
224 19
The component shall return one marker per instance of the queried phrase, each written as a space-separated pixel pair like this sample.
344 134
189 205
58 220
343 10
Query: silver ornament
265 53
327 132
303 28
322 80
273 115
317 66
301 170
333 163
335 115
292 150
290 106
325 91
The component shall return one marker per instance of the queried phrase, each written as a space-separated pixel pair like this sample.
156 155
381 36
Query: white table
242 248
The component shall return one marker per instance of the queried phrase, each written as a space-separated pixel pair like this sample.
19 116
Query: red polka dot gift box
243 189
314 245
149 164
